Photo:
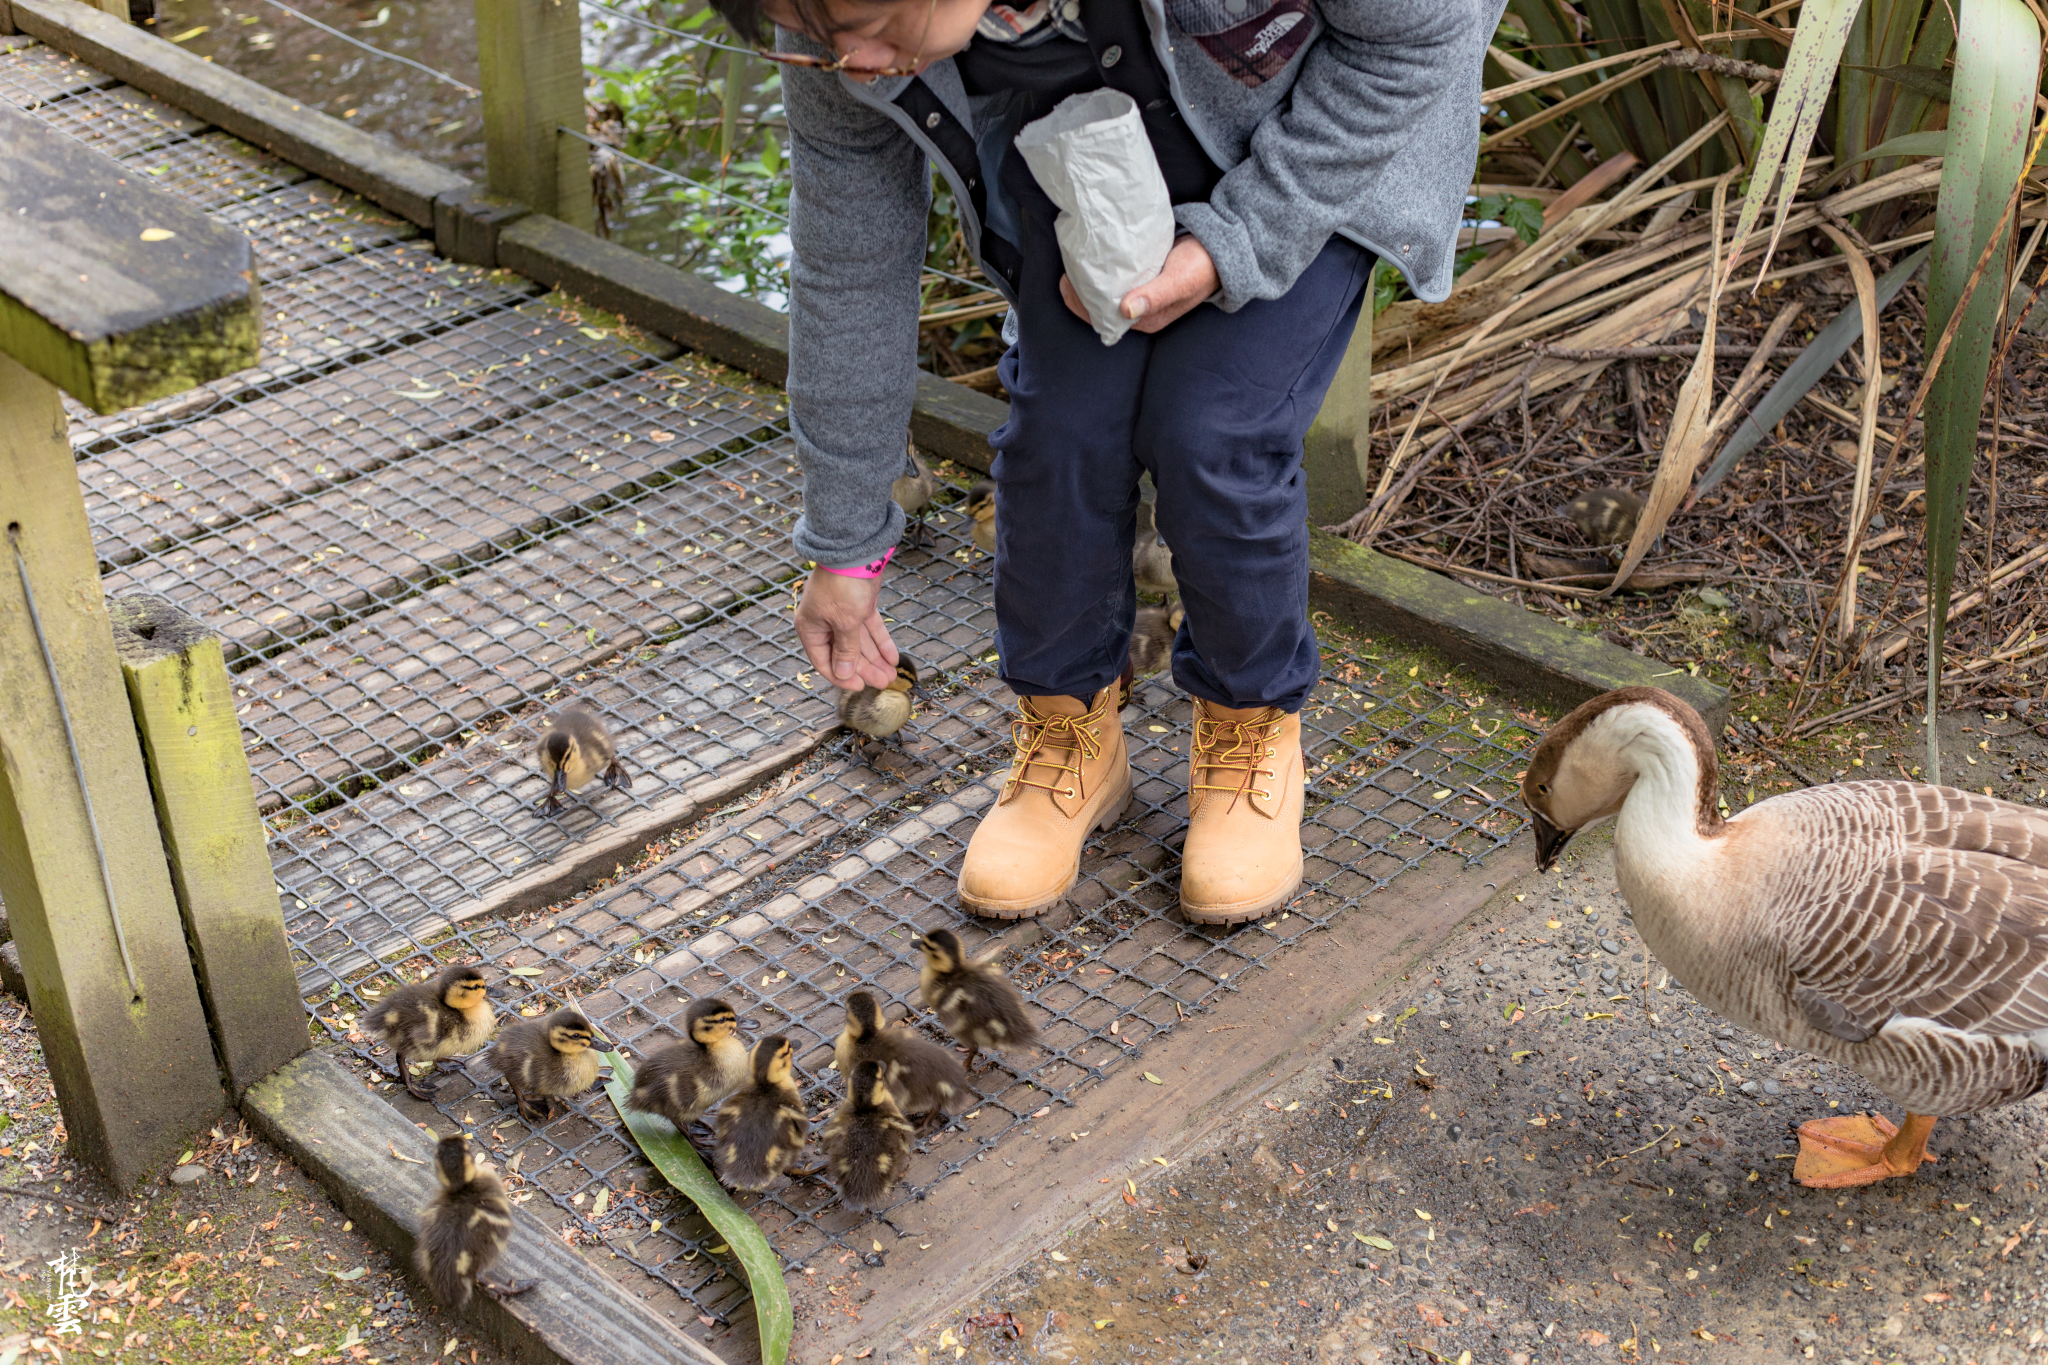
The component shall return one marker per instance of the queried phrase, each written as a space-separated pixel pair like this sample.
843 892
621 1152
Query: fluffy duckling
879 712
1898 929
1605 516
867 1141
683 1080
761 1129
1152 566
545 1057
981 505
926 1079
975 1001
430 1021
1152 638
464 1228
912 491
575 748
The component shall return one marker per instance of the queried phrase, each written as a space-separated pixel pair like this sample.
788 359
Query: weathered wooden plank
344 1137
426 668
115 292
950 420
448 510
184 711
32 73
245 459
118 121
530 59
327 147
132 1063
1523 651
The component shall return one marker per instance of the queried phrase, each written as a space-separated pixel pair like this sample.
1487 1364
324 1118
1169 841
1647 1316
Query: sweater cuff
849 518
1230 247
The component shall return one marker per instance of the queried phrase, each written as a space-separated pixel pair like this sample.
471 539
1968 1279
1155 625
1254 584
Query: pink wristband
872 570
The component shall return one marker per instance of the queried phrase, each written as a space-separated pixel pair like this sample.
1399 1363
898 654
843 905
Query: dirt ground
231 1256
1540 1148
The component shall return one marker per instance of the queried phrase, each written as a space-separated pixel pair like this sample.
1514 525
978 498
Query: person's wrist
872 569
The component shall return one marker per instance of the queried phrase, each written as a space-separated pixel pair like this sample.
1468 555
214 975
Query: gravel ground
236 1256
1541 1149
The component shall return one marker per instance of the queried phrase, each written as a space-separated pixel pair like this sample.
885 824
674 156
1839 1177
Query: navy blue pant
1214 407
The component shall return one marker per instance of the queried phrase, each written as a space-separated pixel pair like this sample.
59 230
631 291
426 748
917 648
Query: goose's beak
1550 841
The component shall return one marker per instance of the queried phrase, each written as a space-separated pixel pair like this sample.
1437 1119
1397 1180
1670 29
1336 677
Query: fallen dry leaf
1592 1338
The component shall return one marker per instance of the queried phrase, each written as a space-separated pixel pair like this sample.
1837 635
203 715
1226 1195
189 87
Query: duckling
1605 516
683 1080
464 1227
576 748
926 1078
981 505
879 712
546 1057
975 1001
761 1129
867 1141
912 491
1152 566
1152 638
431 1021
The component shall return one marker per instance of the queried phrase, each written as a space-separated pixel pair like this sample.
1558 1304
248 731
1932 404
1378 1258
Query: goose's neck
1669 816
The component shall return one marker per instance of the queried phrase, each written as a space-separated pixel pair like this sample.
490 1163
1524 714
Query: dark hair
747 19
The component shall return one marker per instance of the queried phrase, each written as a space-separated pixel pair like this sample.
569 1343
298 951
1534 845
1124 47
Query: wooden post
117 8
1340 439
531 55
134 1069
118 293
206 809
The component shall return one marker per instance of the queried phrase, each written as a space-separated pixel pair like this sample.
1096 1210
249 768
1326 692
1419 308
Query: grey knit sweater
1358 117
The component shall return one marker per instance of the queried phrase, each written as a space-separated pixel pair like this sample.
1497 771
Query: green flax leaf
680 1165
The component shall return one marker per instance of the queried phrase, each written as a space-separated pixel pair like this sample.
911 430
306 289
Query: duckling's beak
1550 841
917 690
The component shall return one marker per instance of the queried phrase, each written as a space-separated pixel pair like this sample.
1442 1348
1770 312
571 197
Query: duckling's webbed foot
448 1064
616 778
414 1086
550 805
505 1289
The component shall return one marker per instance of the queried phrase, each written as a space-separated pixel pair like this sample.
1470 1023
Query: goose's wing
1938 909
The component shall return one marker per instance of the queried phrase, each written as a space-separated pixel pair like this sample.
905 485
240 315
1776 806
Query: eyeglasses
844 64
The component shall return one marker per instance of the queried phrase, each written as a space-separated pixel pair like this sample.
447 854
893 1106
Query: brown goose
1896 928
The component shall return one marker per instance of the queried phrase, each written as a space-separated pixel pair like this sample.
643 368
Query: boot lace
1057 743
1231 750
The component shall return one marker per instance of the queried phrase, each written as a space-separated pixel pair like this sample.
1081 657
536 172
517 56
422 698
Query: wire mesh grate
443 503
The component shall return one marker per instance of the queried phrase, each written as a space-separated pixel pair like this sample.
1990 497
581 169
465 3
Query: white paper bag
1091 157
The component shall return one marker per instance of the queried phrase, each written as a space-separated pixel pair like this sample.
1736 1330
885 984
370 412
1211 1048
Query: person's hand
1188 277
840 627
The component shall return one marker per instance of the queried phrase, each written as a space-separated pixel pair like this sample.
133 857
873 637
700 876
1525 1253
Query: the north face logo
1260 48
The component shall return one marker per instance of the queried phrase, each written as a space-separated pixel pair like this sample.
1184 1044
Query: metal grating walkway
443 502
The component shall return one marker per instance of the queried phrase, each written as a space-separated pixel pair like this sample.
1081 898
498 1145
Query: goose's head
1586 766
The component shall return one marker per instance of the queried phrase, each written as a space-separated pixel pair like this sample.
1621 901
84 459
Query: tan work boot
1243 855
1071 776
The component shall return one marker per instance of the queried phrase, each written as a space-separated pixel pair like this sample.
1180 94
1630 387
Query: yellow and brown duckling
981 505
682 1081
464 1228
545 1057
979 1005
927 1080
1605 516
867 1143
912 491
575 748
1152 635
879 712
762 1128
1152 566
434 1021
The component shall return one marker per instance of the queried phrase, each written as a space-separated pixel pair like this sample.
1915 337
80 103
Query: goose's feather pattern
1896 928
1936 908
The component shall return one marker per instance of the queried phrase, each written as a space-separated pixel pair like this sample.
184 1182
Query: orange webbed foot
1860 1149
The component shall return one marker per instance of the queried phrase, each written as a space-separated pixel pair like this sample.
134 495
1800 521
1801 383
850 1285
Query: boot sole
1243 911
1112 812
